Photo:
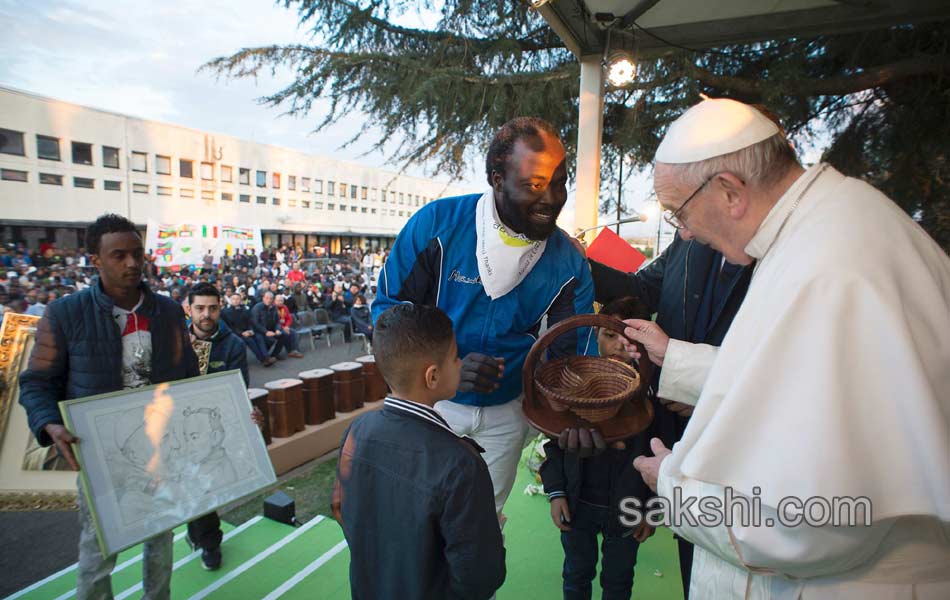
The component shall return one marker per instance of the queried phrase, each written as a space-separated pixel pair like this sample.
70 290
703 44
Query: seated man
238 318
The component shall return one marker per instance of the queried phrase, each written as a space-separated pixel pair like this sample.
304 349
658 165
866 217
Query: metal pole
659 223
619 191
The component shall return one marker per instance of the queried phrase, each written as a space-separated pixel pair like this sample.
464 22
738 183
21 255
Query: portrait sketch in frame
155 457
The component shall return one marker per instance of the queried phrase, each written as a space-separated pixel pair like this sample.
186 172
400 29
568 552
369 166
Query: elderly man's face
530 195
710 218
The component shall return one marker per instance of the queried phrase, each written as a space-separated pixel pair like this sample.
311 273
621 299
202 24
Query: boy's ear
432 377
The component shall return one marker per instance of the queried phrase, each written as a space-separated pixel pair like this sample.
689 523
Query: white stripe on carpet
187 559
306 571
256 559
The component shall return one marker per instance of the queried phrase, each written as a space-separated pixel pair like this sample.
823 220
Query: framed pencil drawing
158 456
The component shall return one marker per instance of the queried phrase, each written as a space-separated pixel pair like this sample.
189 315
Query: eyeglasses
673 216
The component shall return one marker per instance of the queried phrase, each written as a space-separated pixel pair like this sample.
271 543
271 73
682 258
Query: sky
141 58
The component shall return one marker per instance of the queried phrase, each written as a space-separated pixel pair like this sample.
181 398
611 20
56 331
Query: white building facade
62 165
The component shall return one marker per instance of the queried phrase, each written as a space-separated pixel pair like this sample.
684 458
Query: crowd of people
281 280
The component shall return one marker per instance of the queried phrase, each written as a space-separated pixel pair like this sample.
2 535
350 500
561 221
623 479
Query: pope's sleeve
800 551
412 270
684 372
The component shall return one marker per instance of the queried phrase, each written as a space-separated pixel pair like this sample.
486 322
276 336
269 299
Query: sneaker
295 354
211 559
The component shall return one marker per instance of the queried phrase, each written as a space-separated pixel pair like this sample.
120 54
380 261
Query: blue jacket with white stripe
433 262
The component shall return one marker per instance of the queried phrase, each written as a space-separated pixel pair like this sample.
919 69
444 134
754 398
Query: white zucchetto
712 128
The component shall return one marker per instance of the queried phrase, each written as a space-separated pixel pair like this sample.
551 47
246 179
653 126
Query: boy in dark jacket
415 499
585 494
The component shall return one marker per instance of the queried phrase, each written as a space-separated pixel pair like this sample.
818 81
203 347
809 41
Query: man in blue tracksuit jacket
497 264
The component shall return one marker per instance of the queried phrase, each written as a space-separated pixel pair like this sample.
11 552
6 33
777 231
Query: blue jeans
619 555
257 346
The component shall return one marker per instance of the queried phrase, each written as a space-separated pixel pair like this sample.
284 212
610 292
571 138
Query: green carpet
264 559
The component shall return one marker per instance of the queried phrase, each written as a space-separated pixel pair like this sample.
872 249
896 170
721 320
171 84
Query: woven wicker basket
591 387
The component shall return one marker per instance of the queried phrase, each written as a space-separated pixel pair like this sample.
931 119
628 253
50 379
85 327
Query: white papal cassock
833 381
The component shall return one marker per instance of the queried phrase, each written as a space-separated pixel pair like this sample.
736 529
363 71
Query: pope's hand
481 373
650 335
649 467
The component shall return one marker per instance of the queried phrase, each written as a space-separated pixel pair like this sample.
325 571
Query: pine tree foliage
881 99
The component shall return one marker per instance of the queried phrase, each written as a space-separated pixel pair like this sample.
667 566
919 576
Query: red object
296 275
284 317
612 250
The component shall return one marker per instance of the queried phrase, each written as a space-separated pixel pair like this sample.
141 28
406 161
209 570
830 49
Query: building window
225 196
417 200
343 208
163 190
363 210
245 198
12 175
342 190
47 147
292 203
186 193
402 213
317 186
331 206
392 197
275 181
140 162
110 157
401 198
11 142
353 192
225 174
140 188
331 189
114 186
275 201
186 168
262 199
82 153
262 179
207 194
304 204
244 176
50 179
364 192
353 209
318 205
374 194
305 184
163 164
291 182
83 182
373 211
207 171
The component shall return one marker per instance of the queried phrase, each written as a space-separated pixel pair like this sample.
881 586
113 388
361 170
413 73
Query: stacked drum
258 399
317 395
376 388
348 388
285 402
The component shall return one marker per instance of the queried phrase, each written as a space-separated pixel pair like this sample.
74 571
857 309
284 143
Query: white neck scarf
504 258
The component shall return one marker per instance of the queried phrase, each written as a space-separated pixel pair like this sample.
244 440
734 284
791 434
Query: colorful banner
187 243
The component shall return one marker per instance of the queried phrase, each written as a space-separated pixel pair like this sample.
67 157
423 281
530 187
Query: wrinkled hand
650 335
585 442
559 509
481 373
649 467
62 438
248 333
683 410
643 532
257 417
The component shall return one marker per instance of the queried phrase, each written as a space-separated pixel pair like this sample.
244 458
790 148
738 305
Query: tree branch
869 78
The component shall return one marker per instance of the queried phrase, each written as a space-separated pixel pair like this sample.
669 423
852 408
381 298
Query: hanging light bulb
620 68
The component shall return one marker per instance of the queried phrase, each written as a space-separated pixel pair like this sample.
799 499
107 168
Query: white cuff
684 371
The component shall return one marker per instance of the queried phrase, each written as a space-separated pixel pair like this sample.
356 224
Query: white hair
762 164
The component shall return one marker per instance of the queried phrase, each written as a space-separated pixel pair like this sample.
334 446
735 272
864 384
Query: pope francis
833 382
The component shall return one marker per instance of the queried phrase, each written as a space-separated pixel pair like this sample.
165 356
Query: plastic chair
323 318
